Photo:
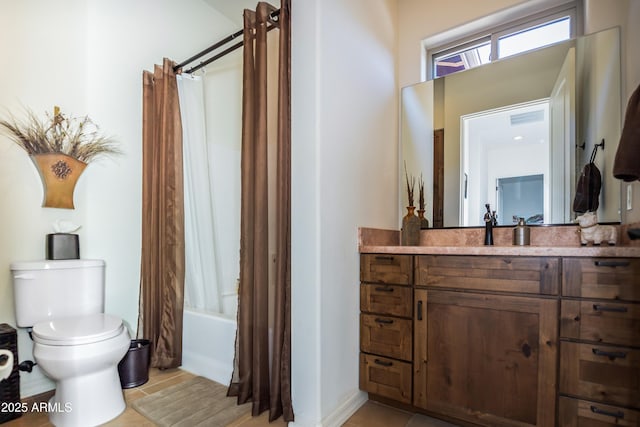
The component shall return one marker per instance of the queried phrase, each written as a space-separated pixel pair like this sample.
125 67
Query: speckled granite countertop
545 241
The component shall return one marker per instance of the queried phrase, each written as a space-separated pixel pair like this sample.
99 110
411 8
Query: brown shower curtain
162 263
252 380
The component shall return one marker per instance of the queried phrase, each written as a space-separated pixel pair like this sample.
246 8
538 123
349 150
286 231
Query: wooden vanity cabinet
503 340
483 353
386 269
582 413
527 275
600 342
386 325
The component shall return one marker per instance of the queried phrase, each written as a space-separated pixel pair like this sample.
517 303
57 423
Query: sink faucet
490 220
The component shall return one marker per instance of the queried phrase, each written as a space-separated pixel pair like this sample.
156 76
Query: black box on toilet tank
63 246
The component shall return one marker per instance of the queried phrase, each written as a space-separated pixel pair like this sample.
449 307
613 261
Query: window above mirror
518 36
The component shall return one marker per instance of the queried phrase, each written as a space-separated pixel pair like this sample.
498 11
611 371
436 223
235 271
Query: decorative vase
424 222
59 174
410 228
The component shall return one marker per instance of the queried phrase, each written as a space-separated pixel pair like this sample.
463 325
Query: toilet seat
77 330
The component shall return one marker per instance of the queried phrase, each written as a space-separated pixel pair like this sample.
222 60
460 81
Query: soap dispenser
521 233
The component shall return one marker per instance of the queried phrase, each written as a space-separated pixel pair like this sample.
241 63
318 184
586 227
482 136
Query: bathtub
208 342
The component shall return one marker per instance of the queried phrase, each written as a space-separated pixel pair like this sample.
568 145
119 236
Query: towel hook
595 150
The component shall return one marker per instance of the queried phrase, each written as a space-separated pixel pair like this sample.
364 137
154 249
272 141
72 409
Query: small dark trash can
134 366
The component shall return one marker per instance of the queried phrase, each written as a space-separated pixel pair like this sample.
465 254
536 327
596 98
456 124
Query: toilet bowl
75 343
81 355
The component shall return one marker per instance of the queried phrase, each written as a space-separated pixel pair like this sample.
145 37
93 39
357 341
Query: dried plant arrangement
421 193
77 137
410 185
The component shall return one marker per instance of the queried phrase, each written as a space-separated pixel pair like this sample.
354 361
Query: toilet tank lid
46 264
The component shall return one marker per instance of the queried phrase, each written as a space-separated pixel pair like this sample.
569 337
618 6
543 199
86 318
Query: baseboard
38 398
343 412
35 383
36 388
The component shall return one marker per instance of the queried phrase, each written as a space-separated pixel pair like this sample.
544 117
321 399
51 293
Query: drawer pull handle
598 307
384 289
612 355
384 321
419 314
596 410
384 258
383 363
612 263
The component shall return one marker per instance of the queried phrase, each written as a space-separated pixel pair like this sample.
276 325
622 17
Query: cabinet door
607 278
386 299
386 268
420 332
490 359
386 336
385 377
531 275
600 372
601 322
583 413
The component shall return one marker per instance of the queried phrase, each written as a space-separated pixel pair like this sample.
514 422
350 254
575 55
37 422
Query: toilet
75 343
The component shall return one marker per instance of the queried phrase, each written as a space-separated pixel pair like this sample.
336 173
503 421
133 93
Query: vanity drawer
383 268
386 336
579 413
385 377
602 322
534 275
386 299
607 278
600 372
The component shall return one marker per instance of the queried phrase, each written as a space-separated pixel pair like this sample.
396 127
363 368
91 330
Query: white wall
599 112
422 19
345 104
631 76
426 19
603 14
42 65
87 57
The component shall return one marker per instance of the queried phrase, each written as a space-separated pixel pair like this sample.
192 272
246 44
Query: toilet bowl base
78 402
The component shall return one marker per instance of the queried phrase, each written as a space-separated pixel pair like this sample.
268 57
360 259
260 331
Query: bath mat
197 402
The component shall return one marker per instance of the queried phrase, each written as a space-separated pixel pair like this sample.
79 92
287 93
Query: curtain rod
273 16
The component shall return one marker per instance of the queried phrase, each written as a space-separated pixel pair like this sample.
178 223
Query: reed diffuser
424 222
410 235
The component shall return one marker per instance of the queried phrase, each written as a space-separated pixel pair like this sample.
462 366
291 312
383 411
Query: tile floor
374 414
371 414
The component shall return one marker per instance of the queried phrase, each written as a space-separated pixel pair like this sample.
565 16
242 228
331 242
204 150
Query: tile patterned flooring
371 414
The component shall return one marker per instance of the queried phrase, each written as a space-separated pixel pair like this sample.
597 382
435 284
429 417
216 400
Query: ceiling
232 9
497 128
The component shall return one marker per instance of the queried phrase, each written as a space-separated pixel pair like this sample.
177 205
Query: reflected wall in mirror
513 134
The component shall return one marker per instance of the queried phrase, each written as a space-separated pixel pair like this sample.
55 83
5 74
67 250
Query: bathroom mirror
516 134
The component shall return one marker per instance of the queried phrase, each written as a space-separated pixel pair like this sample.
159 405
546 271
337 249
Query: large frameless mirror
516 133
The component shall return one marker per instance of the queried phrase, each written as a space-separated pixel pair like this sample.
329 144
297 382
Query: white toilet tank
53 289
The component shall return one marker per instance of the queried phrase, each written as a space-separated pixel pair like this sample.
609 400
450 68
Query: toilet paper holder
9 376
6 364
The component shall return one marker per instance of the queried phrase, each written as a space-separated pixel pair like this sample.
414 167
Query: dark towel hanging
627 162
587 197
